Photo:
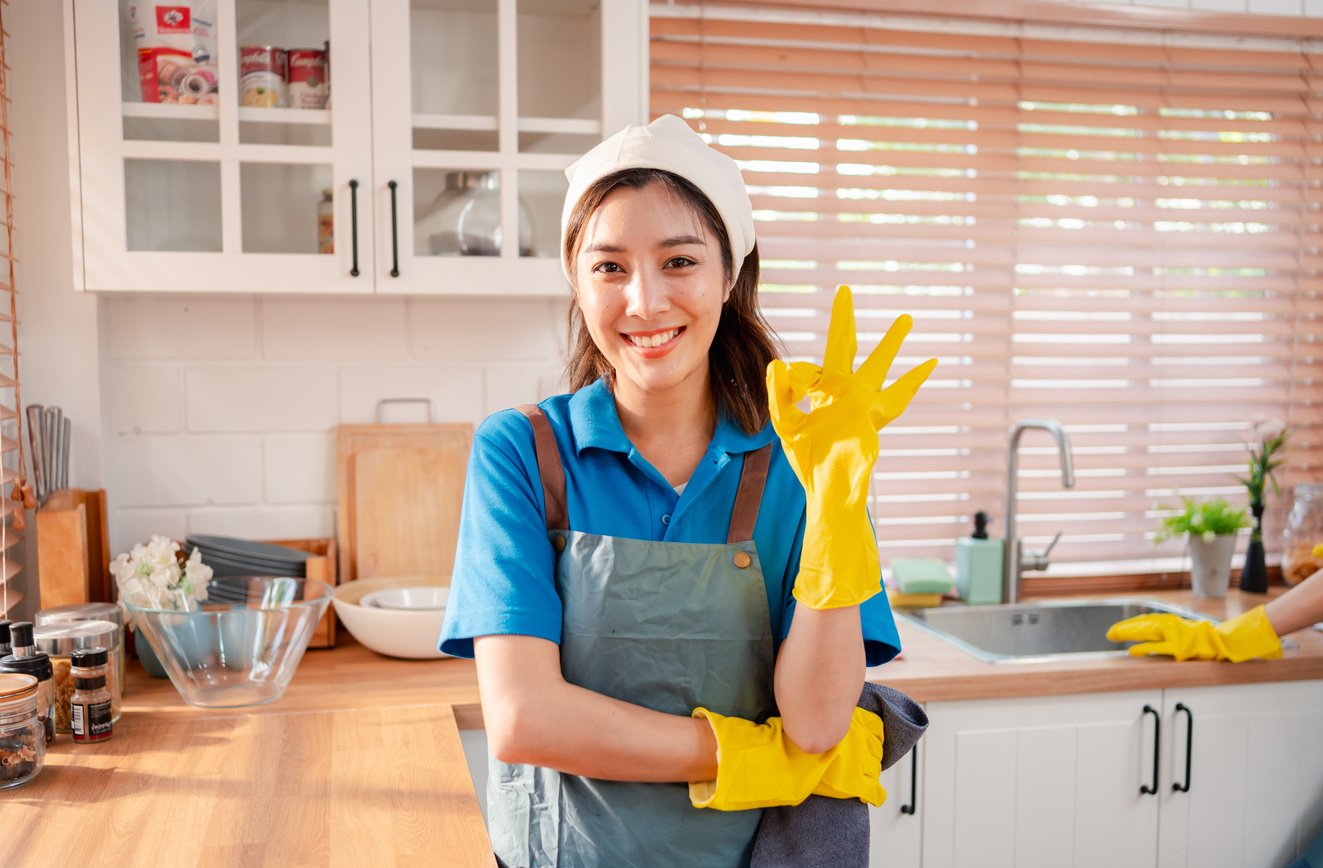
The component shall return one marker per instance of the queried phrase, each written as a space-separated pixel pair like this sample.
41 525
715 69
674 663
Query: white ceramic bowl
415 598
409 633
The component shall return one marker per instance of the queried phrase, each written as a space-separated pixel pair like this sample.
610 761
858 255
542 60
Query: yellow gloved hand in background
759 767
832 449
1241 638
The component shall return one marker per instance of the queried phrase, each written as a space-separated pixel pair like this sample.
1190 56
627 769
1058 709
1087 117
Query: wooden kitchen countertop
360 763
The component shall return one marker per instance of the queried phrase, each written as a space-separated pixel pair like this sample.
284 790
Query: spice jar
95 612
4 639
58 642
89 707
27 660
1304 530
326 223
22 734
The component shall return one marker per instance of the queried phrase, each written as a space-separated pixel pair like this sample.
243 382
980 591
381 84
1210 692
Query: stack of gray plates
230 556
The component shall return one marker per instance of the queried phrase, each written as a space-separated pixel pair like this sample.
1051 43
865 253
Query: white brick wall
221 413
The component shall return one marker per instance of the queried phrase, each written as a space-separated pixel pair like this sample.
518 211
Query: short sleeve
503 581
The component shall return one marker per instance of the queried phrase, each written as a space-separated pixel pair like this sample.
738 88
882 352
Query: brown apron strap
744 515
549 467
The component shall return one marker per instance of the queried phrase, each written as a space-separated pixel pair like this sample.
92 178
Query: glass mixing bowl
242 644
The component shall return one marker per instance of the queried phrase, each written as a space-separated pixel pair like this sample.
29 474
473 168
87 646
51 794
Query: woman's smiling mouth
654 340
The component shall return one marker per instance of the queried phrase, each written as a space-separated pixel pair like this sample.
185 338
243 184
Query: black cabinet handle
914 783
353 225
1189 745
1157 741
394 234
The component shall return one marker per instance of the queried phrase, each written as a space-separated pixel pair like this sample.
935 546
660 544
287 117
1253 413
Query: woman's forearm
819 674
532 715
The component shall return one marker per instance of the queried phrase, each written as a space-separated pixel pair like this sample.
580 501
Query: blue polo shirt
504 576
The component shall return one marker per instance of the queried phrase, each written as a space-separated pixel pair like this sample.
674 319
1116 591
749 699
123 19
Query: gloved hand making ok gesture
832 449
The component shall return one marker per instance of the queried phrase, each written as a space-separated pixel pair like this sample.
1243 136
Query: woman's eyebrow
673 241
683 241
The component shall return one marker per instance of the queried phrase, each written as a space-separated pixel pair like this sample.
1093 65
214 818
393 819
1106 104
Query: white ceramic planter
1210 565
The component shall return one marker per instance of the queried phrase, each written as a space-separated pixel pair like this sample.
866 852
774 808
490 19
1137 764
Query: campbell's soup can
263 76
308 86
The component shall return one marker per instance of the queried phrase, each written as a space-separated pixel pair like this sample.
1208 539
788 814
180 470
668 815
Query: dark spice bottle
89 713
5 649
27 660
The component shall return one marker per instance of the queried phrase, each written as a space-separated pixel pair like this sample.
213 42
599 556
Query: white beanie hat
668 144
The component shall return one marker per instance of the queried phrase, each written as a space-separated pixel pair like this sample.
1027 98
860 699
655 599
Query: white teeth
653 340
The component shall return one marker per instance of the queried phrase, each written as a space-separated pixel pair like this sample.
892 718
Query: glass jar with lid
93 612
22 735
59 641
1304 530
27 660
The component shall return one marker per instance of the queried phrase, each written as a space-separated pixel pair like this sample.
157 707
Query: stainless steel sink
1036 632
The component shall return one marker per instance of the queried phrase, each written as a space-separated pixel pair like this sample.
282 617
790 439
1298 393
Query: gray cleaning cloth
823 832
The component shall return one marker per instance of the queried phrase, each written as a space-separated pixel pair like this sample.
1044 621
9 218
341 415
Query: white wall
217 414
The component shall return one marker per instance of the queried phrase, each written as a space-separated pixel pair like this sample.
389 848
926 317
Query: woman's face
650 287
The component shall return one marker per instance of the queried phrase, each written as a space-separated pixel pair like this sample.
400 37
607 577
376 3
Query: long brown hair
744 342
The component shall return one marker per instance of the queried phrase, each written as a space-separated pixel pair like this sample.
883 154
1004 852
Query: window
1116 229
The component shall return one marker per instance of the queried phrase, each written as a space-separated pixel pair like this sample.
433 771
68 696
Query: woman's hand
832 449
759 767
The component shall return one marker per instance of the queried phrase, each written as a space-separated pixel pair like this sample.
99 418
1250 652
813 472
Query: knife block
73 548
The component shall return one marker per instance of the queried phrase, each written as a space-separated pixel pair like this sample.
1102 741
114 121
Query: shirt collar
595 423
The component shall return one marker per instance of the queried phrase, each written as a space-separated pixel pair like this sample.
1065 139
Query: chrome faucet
1015 560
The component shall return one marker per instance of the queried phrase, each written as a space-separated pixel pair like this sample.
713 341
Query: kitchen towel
823 832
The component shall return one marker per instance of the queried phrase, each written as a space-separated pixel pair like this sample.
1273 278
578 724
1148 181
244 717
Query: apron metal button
742 560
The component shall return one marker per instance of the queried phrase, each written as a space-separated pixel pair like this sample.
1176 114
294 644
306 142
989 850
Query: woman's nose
646 295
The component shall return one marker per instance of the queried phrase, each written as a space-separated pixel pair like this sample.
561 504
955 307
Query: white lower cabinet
893 829
1256 774
1069 781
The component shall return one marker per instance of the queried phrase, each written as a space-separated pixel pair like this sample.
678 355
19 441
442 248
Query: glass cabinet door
215 155
410 146
473 126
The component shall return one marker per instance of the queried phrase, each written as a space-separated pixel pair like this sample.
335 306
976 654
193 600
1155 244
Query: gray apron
668 626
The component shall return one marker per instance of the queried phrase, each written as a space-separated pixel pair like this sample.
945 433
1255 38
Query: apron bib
669 626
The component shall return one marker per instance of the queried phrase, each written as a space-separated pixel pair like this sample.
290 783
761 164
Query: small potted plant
1211 527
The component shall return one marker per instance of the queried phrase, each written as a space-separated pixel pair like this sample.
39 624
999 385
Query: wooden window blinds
15 493
1115 229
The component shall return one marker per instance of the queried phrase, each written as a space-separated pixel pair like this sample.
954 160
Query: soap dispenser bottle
979 565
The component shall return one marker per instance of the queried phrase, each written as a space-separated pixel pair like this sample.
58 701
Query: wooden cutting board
401 487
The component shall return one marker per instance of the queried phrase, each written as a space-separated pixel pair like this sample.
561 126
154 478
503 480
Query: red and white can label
263 72
308 86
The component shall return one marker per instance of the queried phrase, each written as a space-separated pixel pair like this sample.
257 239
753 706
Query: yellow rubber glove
759 767
832 449
1242 638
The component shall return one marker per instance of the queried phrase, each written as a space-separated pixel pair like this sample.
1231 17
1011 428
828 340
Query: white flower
151 577
1208 536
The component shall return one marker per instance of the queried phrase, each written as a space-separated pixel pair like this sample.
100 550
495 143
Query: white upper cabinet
436 167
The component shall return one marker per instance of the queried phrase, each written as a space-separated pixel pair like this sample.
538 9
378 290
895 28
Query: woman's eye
607 268
679 262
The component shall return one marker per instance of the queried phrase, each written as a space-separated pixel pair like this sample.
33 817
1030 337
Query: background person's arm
1299 607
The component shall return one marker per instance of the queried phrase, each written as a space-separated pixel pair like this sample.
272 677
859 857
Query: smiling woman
662 619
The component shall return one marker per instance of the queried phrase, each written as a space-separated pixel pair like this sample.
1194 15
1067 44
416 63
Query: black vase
1254 575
